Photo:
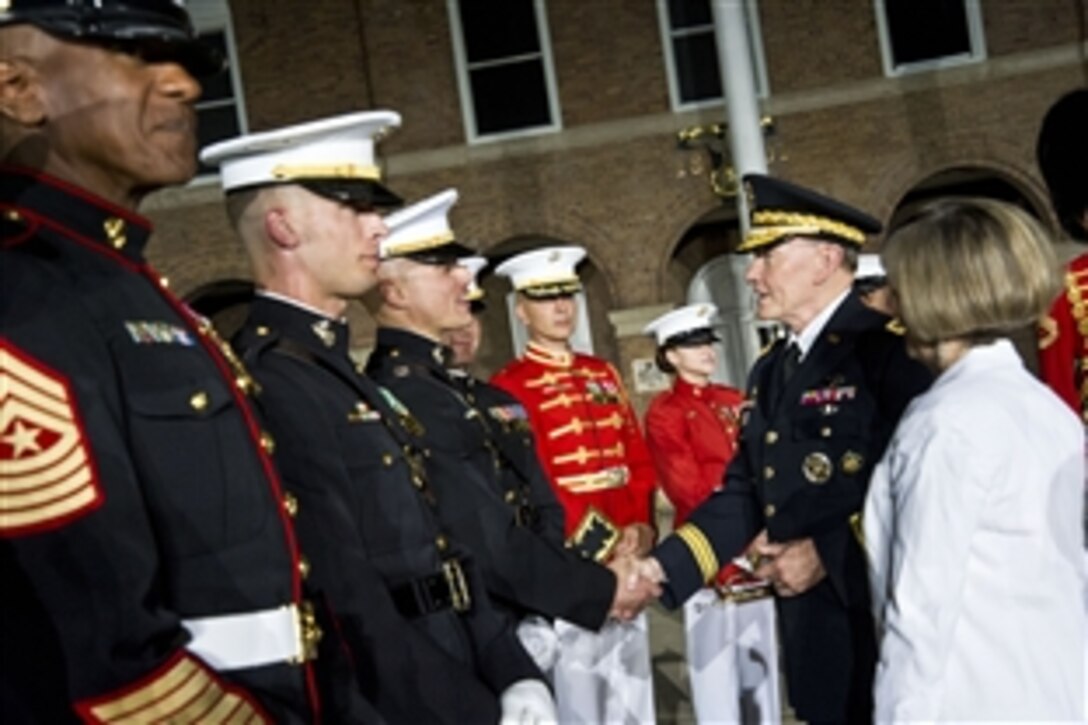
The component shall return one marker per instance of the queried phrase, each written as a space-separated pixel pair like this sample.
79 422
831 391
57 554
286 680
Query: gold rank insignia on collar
114 227
325 333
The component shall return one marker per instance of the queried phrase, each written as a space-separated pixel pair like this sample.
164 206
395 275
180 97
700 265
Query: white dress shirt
973 533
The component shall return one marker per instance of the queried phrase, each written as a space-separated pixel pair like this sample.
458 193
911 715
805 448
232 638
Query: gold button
164 282
768 472
417 481
262 331
267 442
12 216
826 431
290 504
771 437
303 567
199 400
441 542
387 459
769 510
510 496
245 384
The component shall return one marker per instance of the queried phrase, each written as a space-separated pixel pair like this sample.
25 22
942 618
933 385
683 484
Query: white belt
249 639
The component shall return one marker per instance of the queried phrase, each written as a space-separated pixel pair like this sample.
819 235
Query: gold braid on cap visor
286 172
417 245
770 226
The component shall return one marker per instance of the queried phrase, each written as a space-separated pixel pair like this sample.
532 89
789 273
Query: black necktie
790 360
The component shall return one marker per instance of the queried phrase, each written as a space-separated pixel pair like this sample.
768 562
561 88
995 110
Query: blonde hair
972 269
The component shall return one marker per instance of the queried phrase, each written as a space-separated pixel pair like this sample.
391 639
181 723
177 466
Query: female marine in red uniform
692 432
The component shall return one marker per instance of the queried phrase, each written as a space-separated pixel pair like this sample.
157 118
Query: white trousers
732 657
600 678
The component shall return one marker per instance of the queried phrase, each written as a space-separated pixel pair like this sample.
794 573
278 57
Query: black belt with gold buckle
447 589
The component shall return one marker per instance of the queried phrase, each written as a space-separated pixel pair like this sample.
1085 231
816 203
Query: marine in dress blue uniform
502 504
807 446
144 533
407 595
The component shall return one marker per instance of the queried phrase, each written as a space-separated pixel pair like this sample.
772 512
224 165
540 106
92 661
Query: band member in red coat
692 428
692 432
1062 151
593 452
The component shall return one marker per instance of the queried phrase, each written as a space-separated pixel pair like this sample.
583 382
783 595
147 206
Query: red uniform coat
1063 340
692 435
587 435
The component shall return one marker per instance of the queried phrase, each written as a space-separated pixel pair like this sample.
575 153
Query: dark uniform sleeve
84 584
718 530
521 567
404 674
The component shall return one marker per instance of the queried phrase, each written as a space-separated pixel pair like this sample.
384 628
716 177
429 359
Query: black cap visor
442 255
692 338
353 192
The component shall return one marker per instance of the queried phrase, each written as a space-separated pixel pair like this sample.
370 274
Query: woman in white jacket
973 517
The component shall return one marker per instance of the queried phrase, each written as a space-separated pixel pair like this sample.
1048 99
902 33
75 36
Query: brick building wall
613 179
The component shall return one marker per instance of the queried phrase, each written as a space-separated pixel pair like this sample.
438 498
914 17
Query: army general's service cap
333 157
781 210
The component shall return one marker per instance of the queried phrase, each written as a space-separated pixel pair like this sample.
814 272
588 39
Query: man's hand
637 583
794 566
636 540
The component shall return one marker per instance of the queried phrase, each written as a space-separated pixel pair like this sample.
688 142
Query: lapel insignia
896 327
148 332
817 468
115 232
325 333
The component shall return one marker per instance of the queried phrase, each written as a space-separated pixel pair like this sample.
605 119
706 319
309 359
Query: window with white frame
504 68
220 110
920 35
691 52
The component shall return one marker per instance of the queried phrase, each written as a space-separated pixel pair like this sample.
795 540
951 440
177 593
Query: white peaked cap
422 231
680 321
337 149
869 265
474 265
544 271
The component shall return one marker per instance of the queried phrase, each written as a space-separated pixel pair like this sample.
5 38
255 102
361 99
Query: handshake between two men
791 568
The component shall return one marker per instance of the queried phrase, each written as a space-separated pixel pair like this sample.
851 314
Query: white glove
528 702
